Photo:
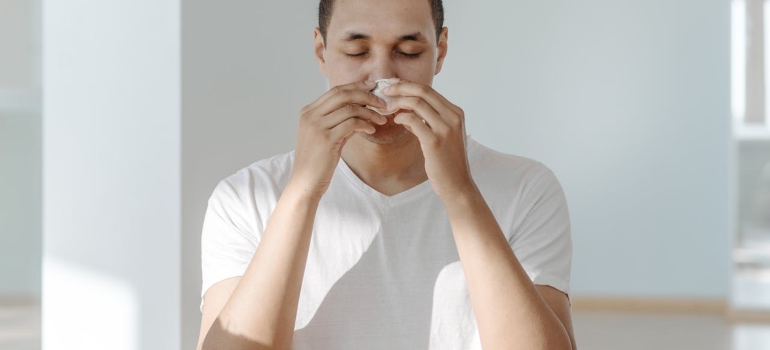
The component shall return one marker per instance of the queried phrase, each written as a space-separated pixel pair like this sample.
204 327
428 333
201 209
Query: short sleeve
227 243
542 241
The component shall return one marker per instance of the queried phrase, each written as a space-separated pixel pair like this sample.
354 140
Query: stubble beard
390 135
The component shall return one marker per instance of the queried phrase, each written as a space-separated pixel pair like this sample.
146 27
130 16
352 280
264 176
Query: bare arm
258 311
559 302
261 311
510 311
214 300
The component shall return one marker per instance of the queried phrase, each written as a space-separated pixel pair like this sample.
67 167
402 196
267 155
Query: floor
20 326
637 331
20 330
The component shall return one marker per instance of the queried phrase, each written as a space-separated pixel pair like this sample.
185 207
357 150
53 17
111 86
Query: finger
415 125
423 110
364 86
360 85
345 97
436 100
349 127
352 111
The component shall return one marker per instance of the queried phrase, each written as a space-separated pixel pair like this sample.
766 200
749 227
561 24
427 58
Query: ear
442 49
319 48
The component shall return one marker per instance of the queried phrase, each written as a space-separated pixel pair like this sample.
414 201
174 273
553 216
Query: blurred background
118 118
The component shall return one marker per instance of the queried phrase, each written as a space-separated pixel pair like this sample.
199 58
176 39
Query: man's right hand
325 126
258 310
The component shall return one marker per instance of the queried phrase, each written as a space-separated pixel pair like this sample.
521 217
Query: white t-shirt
383 272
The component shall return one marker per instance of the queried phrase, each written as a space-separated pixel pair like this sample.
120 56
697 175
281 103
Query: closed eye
356 54
411 55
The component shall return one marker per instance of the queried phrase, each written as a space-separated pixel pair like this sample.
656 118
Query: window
750 37
751 135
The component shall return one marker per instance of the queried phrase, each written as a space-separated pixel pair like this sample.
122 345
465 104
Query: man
387 231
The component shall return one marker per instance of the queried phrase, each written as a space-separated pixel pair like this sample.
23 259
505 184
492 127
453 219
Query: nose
382 65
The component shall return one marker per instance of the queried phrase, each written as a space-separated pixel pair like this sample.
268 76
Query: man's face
374 39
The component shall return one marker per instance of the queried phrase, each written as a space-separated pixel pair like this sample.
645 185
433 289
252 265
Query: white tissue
377 91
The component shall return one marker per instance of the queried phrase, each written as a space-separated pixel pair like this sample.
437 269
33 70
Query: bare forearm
510 312
262 310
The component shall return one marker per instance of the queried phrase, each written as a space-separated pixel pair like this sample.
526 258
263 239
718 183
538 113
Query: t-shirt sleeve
542 241
227 240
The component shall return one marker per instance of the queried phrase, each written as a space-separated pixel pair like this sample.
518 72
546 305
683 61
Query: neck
390 168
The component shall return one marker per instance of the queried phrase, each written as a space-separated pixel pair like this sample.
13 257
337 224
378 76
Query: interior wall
16 37
628 102
20 203
111 181
247 70
20 149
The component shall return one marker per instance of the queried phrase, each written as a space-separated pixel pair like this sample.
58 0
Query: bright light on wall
766 30
738 59
105 310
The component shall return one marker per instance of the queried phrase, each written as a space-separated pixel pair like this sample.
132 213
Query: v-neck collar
414 191
403 196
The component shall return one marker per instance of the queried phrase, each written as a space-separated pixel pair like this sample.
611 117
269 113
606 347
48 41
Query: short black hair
325 9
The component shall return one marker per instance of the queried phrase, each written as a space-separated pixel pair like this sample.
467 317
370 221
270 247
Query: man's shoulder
513 184
491 165
265 174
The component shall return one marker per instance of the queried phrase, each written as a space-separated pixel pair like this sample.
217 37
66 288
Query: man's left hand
440 127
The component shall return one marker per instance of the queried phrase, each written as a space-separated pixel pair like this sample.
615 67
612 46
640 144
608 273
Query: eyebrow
353 36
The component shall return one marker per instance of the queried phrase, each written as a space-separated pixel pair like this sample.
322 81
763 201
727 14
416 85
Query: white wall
20 149
20 203
248 69
16 32
111 143
628 102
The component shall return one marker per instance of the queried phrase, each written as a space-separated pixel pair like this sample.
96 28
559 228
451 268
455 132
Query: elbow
219 337
564 343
